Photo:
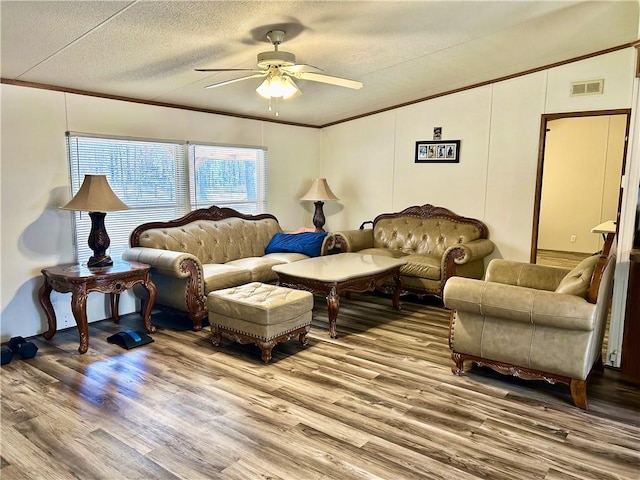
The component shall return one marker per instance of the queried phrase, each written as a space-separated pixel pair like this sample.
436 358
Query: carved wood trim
577 387
194 293
265 345
430 211
450 266
357 284
211 213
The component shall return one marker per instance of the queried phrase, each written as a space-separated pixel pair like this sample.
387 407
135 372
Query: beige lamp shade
95 195
319 191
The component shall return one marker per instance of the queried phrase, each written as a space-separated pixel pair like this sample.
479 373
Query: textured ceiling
401 51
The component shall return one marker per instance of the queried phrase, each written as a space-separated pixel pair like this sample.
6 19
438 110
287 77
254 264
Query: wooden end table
81 280
333 275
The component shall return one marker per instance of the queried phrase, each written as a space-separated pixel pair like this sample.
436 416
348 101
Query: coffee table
333 275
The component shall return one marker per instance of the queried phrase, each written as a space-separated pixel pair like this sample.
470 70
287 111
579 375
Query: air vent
589 87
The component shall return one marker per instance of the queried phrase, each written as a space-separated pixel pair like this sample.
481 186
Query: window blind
149 176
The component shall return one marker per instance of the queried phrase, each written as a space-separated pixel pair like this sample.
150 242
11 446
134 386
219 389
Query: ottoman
259 313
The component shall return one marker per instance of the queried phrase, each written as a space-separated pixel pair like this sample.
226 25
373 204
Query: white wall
35 182
369 163
372 158
499 129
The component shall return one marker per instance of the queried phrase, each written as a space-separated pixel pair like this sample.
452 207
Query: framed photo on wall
438 151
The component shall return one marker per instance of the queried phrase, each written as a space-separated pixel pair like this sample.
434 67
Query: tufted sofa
205 250
436 243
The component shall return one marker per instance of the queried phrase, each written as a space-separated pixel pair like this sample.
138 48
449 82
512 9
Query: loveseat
206 250
436 243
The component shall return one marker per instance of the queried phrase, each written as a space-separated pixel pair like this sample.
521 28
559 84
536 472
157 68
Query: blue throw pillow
308 243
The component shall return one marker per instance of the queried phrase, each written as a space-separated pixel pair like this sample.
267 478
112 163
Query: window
226 176
153 179
149 176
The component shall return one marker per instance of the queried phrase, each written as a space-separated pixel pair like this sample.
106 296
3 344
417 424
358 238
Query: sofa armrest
179 277
468 252
349 240
166 262
519 304
523 274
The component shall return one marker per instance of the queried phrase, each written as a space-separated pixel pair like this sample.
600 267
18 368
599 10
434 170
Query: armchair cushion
577 281
521 274
308 243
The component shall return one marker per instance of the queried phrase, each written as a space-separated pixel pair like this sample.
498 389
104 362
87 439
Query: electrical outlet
573 239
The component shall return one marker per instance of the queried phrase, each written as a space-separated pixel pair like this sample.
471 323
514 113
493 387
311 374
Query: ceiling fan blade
228 82
227 70
341 82
300 68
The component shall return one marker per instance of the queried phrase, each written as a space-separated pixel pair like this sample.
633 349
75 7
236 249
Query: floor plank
378 402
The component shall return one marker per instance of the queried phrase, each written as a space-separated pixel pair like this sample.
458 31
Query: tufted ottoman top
260 303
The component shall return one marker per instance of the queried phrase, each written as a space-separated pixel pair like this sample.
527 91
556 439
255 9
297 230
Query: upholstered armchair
532 321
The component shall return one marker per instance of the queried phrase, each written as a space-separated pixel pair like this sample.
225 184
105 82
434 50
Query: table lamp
96 197
319 192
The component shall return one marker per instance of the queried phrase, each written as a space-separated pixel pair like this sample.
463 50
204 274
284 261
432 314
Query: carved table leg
79 308
114 301
44 295
396 293
148 306
333 304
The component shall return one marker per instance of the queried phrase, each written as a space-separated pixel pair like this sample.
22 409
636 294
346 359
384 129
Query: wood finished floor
556 258
379 402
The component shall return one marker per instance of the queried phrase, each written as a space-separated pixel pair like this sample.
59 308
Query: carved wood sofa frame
195 296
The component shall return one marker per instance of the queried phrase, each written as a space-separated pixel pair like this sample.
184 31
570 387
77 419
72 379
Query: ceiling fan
280 68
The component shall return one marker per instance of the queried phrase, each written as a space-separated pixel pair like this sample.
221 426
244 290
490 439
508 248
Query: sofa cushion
387 252
577 281
217 276
424 266
285 257
308 243
260 267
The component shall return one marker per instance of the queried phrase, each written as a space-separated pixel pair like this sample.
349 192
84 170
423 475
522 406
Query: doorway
580 165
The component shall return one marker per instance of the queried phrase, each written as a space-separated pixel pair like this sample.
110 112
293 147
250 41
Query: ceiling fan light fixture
278 86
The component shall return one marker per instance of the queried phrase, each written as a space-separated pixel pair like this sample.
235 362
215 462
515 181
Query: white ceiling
401 51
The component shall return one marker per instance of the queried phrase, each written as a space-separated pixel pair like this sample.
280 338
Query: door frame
545 119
